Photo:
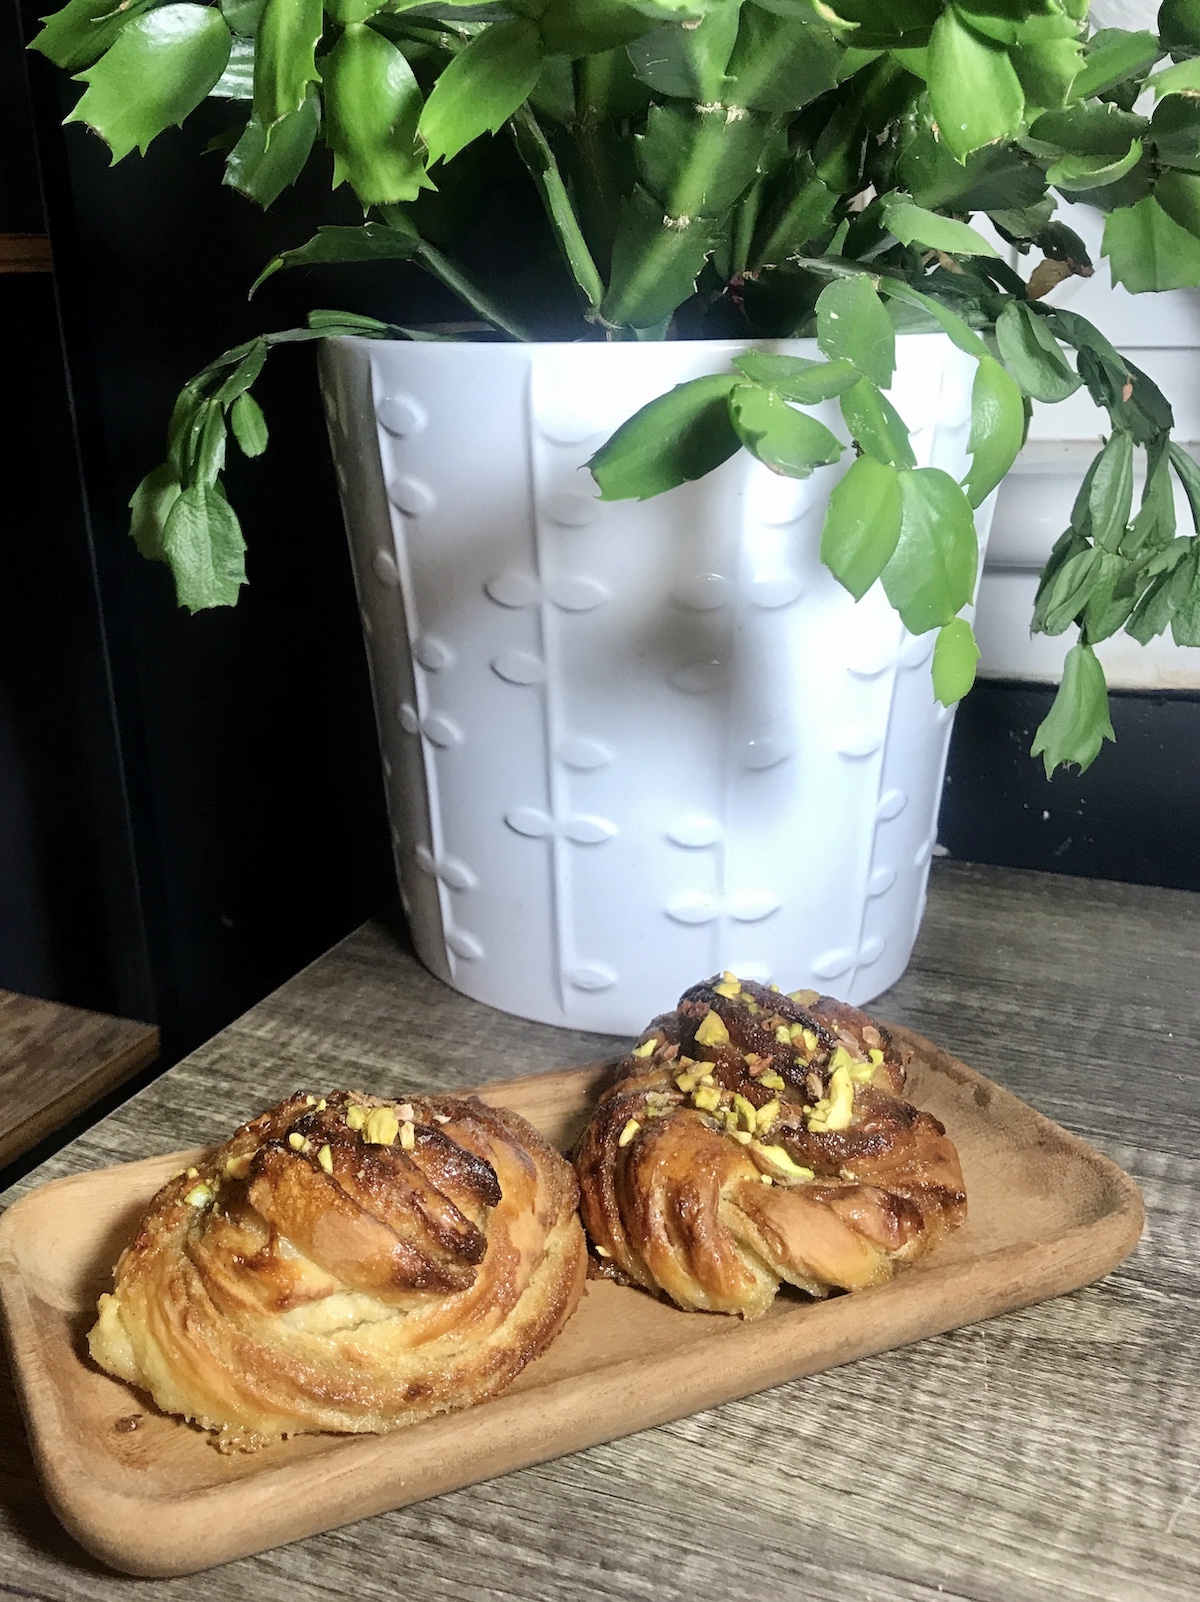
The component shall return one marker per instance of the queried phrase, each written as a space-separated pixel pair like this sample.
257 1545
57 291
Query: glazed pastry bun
751 1138
347 1264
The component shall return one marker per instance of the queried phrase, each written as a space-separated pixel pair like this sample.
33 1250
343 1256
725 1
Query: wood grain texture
25 253
1047 1214
1051 1453
55 1061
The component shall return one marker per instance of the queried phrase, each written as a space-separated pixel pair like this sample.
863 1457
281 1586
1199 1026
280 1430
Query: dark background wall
191 808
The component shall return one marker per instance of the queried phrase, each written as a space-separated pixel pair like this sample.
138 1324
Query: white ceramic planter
627 745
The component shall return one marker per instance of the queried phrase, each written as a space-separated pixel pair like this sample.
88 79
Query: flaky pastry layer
753 1137
347 1263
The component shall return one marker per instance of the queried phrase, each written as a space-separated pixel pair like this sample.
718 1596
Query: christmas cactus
755 169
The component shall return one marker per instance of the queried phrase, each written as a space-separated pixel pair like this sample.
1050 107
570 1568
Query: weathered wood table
1053 1453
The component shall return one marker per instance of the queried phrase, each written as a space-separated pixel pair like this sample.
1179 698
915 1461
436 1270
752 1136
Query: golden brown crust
347 1264
752 1137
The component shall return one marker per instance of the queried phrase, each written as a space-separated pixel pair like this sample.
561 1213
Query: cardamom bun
752 1138
347 1264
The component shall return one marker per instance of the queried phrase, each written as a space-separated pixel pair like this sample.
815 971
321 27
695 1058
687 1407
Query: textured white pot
629 744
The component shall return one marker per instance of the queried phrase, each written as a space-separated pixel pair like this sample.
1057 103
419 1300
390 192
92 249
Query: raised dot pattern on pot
714 812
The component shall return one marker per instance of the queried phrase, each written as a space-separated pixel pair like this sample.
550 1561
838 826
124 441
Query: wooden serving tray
1047 1214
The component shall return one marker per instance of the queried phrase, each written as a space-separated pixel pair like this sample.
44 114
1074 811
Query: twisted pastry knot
752 1137
347 1264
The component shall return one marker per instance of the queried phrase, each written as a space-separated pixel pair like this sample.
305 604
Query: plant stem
455 279
535 152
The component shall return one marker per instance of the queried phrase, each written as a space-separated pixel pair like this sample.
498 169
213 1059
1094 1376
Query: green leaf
1153 611
1179 26
689 62
150 505
372 104
237 81
1078 173
1110 499
974 92
853 325
1185 587
1175 132
1033 356
955 655
249 425
1094 128
931 575
482 87
1070 590
951 324
285 52
1182 79
1112 600
877 426
1188 473
1068 545
1178 193
997 429
1077 724
780 63
368 242
797 378
696 160
202 542
244 373
83 30
263 173
1148 250
537 155
680 436
862 524
159 69
1113 56
786 441
913 225
655 263
1154 525
588 27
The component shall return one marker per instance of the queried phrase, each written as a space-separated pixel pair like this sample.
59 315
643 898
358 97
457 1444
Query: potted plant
689 723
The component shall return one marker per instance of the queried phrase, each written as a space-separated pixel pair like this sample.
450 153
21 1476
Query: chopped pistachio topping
766 1179
712 1031
875 1056
296 1141
356 1116
646 1049
687 1082
310 1101
810 1040
742 1135
841 1058
629 1131
380 1127
322 1104
766 1116
783 1035
771 1080
781 1160
237 1167
707 1098
752 1007
707 1079
408 1136
193 1173
198 1196
325 1158
603 1251
730 985
747 1113
804 998
836 1111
